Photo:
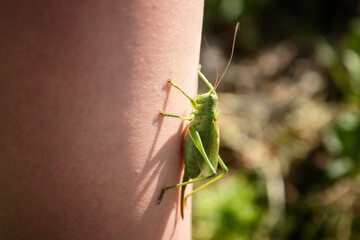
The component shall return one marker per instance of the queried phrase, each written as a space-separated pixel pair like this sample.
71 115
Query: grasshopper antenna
213 58
232 53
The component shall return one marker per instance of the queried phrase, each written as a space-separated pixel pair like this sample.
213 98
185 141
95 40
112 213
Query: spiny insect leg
183 92
175 116
224 168
179 185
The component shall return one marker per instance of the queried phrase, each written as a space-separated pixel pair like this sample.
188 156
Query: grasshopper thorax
207 103
206 98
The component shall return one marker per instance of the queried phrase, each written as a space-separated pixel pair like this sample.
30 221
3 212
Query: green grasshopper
201 145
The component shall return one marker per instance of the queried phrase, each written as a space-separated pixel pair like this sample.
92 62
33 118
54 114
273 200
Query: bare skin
83 151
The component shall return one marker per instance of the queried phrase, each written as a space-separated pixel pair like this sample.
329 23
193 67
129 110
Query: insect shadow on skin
201 144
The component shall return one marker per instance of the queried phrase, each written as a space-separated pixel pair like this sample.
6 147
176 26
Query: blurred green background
290 122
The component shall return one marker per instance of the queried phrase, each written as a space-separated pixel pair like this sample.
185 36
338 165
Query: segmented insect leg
181 184
176 116
183 92
224 168
202 76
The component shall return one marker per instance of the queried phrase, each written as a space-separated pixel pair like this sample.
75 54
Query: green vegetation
290 121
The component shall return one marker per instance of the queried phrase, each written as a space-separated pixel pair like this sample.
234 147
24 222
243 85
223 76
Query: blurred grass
289 121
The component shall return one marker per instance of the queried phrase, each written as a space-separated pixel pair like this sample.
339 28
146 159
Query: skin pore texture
84 152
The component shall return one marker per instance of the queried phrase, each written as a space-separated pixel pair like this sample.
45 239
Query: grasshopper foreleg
202 76
193 103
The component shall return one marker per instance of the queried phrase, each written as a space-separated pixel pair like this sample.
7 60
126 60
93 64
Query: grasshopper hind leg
179 185
225 169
